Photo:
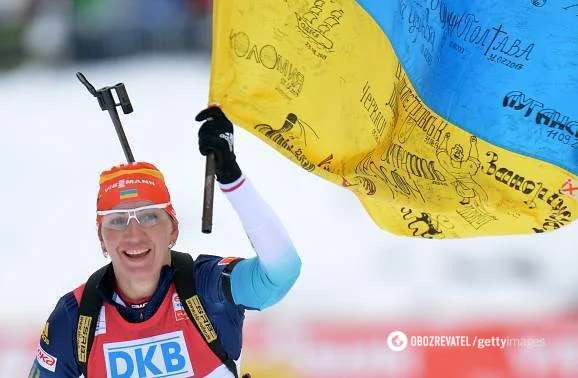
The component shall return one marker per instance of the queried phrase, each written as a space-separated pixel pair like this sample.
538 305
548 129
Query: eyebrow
153 206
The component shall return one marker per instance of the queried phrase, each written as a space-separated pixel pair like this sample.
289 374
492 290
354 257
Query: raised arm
263 280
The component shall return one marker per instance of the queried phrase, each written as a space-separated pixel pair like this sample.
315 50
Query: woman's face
139 252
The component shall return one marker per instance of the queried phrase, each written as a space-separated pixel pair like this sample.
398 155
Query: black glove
216 136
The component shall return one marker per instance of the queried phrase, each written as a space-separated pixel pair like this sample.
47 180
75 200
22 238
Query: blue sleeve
256 286
261 281
55 354
226 316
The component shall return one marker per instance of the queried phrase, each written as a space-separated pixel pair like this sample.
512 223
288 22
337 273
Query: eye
148 218
116 221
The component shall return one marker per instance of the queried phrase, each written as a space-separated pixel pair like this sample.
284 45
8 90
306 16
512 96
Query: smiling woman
155 312
138 249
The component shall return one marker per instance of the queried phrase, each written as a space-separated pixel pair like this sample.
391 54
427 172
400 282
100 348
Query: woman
154 312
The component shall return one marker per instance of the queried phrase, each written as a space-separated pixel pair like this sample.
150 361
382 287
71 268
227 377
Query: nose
133 229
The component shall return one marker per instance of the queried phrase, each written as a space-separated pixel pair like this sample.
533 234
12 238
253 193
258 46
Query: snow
55 141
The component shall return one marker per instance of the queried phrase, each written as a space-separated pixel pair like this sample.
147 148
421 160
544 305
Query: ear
102 246
175 231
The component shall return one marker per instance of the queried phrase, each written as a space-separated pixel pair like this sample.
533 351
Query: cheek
161 235
110 240
167 235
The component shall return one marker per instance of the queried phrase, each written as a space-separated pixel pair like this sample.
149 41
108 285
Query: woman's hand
216 136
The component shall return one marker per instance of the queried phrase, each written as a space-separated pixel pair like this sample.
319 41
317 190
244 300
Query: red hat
131 182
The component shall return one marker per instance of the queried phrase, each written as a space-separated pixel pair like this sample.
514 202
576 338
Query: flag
128 193
446 119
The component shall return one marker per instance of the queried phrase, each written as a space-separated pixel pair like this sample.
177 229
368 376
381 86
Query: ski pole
107 102
208 194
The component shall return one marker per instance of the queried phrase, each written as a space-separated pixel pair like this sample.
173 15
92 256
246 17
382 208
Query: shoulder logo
46 360
44 335
227 260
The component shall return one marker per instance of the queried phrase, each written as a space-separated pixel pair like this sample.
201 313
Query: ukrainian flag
446 118
128 193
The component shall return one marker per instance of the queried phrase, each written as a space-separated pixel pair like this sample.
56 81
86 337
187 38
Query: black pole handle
208 194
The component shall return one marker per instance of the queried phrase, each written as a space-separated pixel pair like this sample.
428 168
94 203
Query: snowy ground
54 142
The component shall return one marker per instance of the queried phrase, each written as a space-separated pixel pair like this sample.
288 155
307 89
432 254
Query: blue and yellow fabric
446 118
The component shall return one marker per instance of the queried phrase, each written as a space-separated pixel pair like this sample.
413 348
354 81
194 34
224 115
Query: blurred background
358 283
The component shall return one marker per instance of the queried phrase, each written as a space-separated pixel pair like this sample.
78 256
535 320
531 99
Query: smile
136 253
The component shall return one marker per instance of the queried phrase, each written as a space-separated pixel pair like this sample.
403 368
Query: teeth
136 252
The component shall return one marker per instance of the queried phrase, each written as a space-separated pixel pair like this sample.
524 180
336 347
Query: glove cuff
230 174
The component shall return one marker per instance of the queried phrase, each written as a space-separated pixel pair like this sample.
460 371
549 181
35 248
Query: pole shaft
207 223
121 135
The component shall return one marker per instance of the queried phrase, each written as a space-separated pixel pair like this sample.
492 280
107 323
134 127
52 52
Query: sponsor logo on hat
128 193
126 182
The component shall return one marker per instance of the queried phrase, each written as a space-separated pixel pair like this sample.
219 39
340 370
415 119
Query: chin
139 264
